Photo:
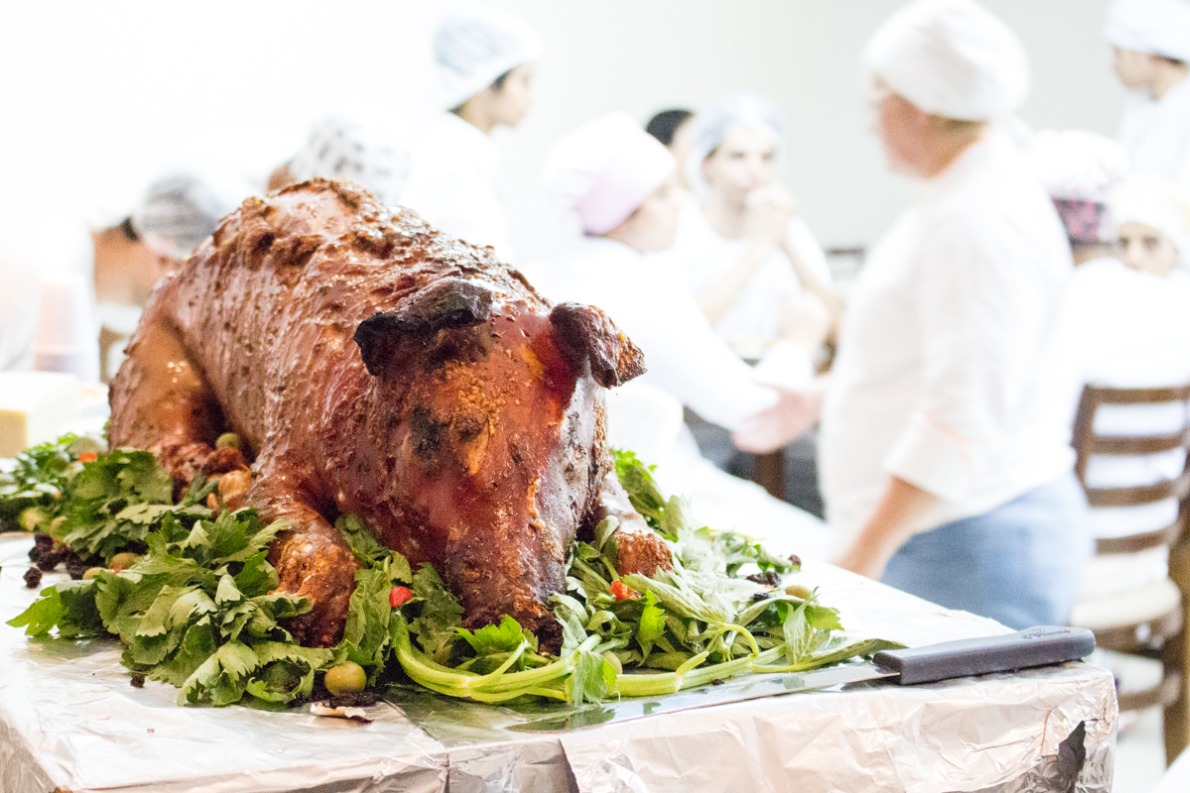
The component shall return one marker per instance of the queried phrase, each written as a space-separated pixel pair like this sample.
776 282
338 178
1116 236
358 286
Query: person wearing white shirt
485 63
622 185
753 262
1151 46
944 453
1128 317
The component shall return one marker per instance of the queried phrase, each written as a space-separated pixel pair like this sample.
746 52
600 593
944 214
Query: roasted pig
375 366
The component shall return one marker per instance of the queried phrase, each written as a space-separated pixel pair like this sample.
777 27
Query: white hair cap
712 125
951 58
181 210
473 46
342 149
1156 27
1156 203
605 169
1078 165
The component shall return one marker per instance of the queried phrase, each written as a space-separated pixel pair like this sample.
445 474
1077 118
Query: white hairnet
605 169
1078 164
1079 170
473 46
951 58
180 210
1154 202
1157 27
712 125
341 149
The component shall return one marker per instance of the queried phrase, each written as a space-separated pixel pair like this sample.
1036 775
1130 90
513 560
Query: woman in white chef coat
622 184
1151 45
944 447
485 63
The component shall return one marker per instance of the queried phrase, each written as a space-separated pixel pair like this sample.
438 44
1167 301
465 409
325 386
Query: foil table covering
70 721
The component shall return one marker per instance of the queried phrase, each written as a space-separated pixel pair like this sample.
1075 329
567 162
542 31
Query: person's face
1146 249
902 128
651 228
515 96
1133 68
745 160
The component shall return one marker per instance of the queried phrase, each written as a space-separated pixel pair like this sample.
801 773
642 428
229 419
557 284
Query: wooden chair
1149 620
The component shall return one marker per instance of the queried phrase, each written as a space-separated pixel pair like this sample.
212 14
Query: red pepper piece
399 596
622 591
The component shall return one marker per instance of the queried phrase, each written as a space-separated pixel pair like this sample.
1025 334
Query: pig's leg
311 558
161 401
639 549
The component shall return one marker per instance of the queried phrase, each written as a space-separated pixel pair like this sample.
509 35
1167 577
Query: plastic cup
67 339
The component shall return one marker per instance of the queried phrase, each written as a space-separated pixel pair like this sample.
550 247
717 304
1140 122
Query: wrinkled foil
70 721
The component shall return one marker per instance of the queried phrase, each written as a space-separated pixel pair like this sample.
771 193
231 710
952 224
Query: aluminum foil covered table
70 721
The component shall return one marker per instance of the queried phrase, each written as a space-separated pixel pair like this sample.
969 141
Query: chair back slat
1135 543
1137 495
1117 445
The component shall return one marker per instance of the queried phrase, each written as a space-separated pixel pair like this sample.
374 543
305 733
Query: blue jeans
1019 564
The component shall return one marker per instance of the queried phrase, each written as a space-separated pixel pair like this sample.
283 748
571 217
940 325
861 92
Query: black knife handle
1037 646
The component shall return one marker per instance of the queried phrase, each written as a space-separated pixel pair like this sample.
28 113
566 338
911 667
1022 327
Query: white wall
95 97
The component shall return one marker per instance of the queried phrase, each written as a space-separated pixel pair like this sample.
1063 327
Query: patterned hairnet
473 46
180 210
342 149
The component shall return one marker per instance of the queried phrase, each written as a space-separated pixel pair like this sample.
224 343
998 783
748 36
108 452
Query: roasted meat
375 366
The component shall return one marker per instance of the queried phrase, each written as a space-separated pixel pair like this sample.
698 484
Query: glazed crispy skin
380 368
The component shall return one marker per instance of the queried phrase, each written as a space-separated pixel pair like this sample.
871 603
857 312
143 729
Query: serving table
71 721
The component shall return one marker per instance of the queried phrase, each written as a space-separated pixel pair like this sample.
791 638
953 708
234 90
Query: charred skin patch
449 303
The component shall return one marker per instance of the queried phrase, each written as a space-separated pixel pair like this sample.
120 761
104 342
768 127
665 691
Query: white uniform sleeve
802 240
685 356
980 317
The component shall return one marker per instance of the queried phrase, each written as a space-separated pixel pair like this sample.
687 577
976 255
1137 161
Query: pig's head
493 449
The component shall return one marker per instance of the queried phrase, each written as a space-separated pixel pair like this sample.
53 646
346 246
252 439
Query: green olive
229 440
614 660
124 560
798 591
346 678
91 573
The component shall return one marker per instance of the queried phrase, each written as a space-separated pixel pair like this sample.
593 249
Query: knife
1038 646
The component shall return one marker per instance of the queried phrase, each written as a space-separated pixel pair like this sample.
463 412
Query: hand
863 558
769 210
806 321
772 428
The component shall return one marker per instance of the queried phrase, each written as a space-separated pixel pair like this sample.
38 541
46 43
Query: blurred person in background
945 455
622 184
759 274
342 149
1123 324
1151 45
177 212
485 63
673 129
753 262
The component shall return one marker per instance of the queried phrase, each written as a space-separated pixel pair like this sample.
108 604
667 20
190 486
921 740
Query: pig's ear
448 303
588 337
